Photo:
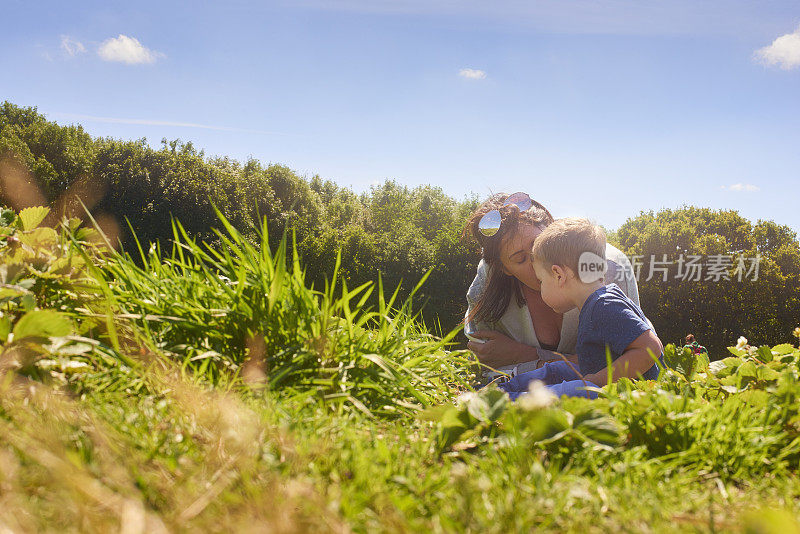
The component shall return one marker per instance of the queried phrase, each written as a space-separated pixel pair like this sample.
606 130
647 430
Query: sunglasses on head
490 223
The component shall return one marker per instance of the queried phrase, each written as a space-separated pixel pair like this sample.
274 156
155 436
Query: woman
510 327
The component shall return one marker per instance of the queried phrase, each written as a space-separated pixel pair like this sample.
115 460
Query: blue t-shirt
609 318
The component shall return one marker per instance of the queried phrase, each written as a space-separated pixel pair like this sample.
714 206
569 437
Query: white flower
537 397
741 343
465 397
46 364
796 332
635 394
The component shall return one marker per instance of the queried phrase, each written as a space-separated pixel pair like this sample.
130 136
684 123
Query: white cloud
472 74
784 51
72 46
128 50
749 188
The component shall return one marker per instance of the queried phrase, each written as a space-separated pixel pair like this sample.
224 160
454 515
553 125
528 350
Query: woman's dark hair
500 287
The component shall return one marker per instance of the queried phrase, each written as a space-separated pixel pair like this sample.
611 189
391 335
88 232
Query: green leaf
436 413
7 217
723 368
770 521
10 272
731 380
26 283
42 323
765 353
766 374
74 223
5 328
702 361
488 404
451 427
87 234
784 348
497 400
11 292
597 426
478 408
545 424
682 360
33 216
747 369
39 237
28 302
737 352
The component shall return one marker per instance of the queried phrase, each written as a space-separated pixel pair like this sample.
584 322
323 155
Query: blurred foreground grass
210 389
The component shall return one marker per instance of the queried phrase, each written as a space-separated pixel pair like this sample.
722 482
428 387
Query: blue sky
598 108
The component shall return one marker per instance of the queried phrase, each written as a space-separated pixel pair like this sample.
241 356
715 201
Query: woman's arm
552 356
500 350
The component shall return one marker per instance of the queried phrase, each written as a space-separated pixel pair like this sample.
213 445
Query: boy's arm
634 361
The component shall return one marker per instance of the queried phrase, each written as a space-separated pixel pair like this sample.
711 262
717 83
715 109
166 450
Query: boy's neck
582 292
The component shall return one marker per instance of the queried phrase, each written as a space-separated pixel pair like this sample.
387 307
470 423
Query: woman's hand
499 350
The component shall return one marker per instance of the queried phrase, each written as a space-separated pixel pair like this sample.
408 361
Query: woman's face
515 255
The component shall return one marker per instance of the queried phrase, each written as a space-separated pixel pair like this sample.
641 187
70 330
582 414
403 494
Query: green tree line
394 230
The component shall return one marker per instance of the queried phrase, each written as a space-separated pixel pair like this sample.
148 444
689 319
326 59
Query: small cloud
472 74
128 50
749 188
784 51
71 46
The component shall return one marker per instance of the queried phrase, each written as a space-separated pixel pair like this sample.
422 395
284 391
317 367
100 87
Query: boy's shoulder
606 299
609 310
614 294
612 319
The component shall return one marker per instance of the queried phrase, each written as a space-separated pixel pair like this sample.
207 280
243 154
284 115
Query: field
212 388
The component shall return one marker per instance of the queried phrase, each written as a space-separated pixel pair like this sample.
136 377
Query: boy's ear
559 274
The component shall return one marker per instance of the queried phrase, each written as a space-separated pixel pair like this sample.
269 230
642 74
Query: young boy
569 260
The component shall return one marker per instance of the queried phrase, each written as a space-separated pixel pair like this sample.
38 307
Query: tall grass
241 311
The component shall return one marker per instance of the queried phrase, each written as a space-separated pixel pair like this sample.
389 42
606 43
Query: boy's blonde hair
563 242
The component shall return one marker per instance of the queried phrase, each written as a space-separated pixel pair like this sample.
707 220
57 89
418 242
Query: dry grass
64 467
